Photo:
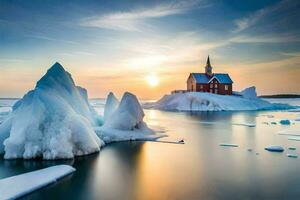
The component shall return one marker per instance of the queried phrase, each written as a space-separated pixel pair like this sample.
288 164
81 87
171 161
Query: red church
209 82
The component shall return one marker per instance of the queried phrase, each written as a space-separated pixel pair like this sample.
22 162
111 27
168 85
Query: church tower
208 68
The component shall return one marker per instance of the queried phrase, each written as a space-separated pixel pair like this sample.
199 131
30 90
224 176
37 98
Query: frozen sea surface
198 169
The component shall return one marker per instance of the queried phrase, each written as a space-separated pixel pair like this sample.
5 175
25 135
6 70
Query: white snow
199 101
126 122
111 105
17 186
274 148
53 121
285 122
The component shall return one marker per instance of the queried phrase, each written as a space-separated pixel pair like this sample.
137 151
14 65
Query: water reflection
199 169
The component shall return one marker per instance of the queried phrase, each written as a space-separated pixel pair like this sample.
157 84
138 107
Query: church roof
204 78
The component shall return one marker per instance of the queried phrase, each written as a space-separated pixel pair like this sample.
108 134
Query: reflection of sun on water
152 80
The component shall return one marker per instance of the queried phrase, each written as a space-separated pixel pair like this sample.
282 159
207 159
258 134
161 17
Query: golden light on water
152 80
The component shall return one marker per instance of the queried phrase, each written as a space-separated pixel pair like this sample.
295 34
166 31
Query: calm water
199 169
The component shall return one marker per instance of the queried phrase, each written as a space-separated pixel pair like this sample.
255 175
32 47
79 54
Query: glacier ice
52 121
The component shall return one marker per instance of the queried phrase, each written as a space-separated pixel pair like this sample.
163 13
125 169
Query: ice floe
274 148
17 186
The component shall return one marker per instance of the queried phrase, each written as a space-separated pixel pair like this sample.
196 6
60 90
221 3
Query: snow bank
17 186
126 122
198 101
53 121
274 148
111 105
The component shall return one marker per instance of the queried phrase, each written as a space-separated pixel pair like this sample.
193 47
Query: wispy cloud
42 37
134 20
265 15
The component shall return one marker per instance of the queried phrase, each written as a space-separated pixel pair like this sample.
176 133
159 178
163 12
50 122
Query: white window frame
226 87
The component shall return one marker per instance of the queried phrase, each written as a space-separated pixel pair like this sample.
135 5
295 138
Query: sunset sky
150 47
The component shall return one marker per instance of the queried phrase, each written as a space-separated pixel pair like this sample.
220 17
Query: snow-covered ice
111 105
285 122
199 101
126 122
52 121
249 93
17 186
274 148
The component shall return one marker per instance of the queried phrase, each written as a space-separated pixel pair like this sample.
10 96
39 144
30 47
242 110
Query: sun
152 80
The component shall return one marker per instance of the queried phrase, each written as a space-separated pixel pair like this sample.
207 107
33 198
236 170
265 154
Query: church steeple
208 67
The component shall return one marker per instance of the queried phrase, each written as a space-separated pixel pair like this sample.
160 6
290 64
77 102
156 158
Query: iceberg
17 186
53 121
200 101
126 122
249 93
111 105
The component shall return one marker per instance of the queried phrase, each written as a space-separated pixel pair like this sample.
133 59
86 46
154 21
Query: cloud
41 37
134 20
269 16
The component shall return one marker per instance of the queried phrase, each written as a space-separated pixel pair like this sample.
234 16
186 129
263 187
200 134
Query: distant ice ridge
125 120
199 101
56 121
52 121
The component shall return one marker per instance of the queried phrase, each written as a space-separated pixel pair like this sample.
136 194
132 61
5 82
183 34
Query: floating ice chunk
294 138
126 123
274 148
228 145
111 105
17 186
244 124
53 121
291 155
285 122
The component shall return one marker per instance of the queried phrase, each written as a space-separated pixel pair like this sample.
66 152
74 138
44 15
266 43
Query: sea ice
17 186
199 101
53 121
274 148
